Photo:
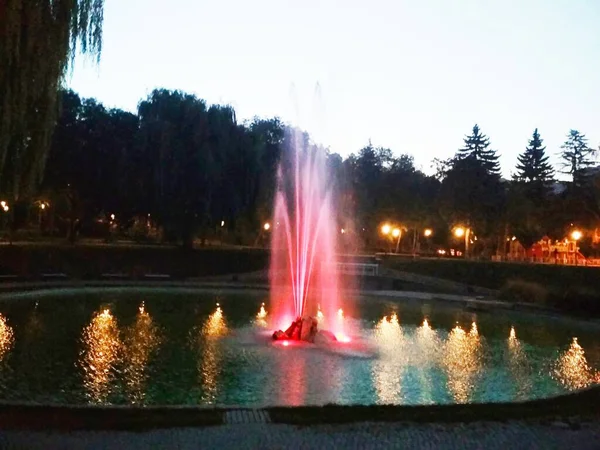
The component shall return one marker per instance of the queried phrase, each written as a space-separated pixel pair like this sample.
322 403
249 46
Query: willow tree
39 40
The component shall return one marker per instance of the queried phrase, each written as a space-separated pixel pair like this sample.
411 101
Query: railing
357 269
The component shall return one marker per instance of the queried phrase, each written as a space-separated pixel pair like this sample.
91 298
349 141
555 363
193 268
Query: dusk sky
414 76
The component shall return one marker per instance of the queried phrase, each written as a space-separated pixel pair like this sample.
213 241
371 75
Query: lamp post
43 205
397 233
576 235
427 232
459 232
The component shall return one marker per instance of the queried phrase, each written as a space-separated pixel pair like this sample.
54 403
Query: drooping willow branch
39 40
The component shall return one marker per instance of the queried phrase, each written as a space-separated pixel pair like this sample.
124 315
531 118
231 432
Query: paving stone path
487 436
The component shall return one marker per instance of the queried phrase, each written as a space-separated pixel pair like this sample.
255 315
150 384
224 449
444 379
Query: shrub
524 292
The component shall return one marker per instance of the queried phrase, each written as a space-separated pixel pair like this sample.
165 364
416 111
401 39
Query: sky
410 75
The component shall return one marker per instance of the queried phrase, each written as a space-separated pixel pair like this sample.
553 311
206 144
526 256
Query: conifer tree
577 156
533 166
477 149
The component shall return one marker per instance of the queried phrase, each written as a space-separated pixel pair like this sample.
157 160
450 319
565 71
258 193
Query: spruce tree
533 166
477 149
576 156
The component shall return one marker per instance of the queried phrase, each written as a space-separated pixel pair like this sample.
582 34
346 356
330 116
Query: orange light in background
576 235
459 232
427 232
267 226
385 229
396 232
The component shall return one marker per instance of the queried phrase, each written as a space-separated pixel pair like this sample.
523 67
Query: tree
39 40
174 140
576 156
528 194
88 157
533 164
477 148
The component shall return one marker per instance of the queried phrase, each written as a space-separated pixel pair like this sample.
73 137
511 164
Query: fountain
304 281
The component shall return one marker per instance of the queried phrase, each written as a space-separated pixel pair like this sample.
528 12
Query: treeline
191 170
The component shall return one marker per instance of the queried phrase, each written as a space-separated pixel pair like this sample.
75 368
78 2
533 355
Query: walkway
488 436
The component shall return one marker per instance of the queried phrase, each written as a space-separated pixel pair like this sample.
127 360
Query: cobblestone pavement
487 436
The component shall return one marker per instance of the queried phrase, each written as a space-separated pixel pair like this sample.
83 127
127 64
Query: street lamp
385 229
459 232
427 232
267 226
576 235
397 233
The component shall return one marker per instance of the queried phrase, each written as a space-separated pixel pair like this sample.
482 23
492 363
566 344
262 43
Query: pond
171 346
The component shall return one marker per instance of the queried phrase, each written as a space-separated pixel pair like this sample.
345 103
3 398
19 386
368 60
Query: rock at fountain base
302 329
325 337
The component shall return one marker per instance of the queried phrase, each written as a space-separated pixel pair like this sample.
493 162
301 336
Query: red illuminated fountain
304 282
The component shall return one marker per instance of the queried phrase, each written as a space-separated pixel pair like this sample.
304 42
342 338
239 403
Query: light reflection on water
518 365
141 340
123 359
7 337
99 356
462 360
387 370
572 369
210 361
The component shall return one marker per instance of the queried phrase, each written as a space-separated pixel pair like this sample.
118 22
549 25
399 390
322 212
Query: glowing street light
459 232
465 232
385 229
427 232
267 226
222 223
396 232
576 235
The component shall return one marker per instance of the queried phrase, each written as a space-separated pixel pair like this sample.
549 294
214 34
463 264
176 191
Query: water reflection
518 365
426 356
210 361
428 346
215 325
388 369
463 361
140 341
572 369
7 337
101 347
261 317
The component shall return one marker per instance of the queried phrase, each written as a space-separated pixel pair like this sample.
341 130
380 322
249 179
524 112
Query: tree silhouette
477 148
533 164
39 40
576 156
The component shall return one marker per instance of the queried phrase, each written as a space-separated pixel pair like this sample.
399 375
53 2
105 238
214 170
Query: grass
87 261
575 290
